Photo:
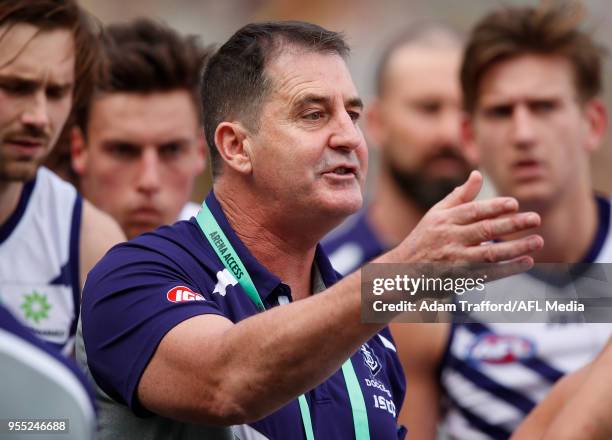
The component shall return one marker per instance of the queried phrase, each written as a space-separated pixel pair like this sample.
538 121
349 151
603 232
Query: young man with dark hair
138 145
49 237
531 81
216 321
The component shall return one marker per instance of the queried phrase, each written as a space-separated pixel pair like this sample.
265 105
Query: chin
344 206
534 196
19 172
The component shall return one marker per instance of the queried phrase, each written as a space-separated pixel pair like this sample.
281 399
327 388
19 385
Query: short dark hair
235 84
62 14
145 56
547 30
422 33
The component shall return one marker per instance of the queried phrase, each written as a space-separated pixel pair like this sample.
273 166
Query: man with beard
531 82
49 237
415 122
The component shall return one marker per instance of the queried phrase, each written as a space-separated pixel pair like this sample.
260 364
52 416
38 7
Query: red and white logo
183 294
501 349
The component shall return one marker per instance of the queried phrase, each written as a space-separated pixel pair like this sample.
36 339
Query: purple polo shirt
143 288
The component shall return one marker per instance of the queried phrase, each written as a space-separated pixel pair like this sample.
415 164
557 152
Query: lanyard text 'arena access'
232 262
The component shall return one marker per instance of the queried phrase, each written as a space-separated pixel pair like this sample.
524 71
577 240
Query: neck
287 254
10 191
392 215
568 227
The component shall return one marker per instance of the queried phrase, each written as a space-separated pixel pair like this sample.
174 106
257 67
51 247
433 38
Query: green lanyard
230 259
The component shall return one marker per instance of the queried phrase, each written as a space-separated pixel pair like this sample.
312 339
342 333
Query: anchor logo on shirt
370 359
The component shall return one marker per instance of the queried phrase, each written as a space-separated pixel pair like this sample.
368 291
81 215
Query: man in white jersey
49 238
531 81
139 145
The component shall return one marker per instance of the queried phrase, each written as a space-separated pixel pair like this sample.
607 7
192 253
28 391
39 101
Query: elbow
226 409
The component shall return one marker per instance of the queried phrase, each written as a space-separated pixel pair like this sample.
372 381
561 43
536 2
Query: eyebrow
33 82
326 101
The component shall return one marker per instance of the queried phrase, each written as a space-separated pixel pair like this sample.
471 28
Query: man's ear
468 138
597 121
78 151
233 146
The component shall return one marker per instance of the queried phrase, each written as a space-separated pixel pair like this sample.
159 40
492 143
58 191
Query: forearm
588 414
307 341
540 418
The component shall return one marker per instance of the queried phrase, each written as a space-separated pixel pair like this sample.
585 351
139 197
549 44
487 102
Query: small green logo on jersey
35 306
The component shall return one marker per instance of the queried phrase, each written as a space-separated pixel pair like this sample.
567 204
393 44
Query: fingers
464 193
472 212
504 251
492 272
495 228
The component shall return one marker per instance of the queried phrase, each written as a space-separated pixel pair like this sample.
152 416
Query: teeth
341 170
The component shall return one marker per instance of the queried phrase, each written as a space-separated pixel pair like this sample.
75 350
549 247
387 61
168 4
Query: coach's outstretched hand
460 230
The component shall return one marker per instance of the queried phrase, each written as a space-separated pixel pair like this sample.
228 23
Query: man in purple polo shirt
215 321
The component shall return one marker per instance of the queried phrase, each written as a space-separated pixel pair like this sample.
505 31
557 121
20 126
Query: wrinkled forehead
295 72
38 54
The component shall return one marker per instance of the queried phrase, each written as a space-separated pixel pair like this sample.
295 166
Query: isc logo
182 294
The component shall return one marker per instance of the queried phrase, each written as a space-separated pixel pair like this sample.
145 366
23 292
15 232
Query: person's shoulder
99 233
175 247
189 210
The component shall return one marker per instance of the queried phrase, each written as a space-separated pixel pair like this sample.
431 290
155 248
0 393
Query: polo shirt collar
265 281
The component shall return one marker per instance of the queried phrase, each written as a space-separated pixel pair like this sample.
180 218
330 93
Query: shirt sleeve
130 301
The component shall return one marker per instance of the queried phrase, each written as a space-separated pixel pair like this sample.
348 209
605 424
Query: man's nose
36 112
522 127
449 129
149 179
347 135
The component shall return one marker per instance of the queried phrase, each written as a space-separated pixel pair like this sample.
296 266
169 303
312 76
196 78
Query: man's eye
354 115
171 150
124 151
499 111
18 87
544 106
429 108
313 116
56 93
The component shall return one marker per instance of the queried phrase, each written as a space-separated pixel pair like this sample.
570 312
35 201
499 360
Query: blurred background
368 25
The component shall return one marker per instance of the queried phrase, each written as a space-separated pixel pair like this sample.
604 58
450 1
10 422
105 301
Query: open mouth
342 170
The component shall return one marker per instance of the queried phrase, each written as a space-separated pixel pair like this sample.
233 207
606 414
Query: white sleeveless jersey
493 374
39 259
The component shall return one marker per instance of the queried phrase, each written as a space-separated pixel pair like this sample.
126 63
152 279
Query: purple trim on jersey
11 223
125 314
358 231
603 214
495 432
11 325
74 259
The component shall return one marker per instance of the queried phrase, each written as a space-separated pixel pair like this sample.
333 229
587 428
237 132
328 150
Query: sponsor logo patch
501 349
36 306
183 294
